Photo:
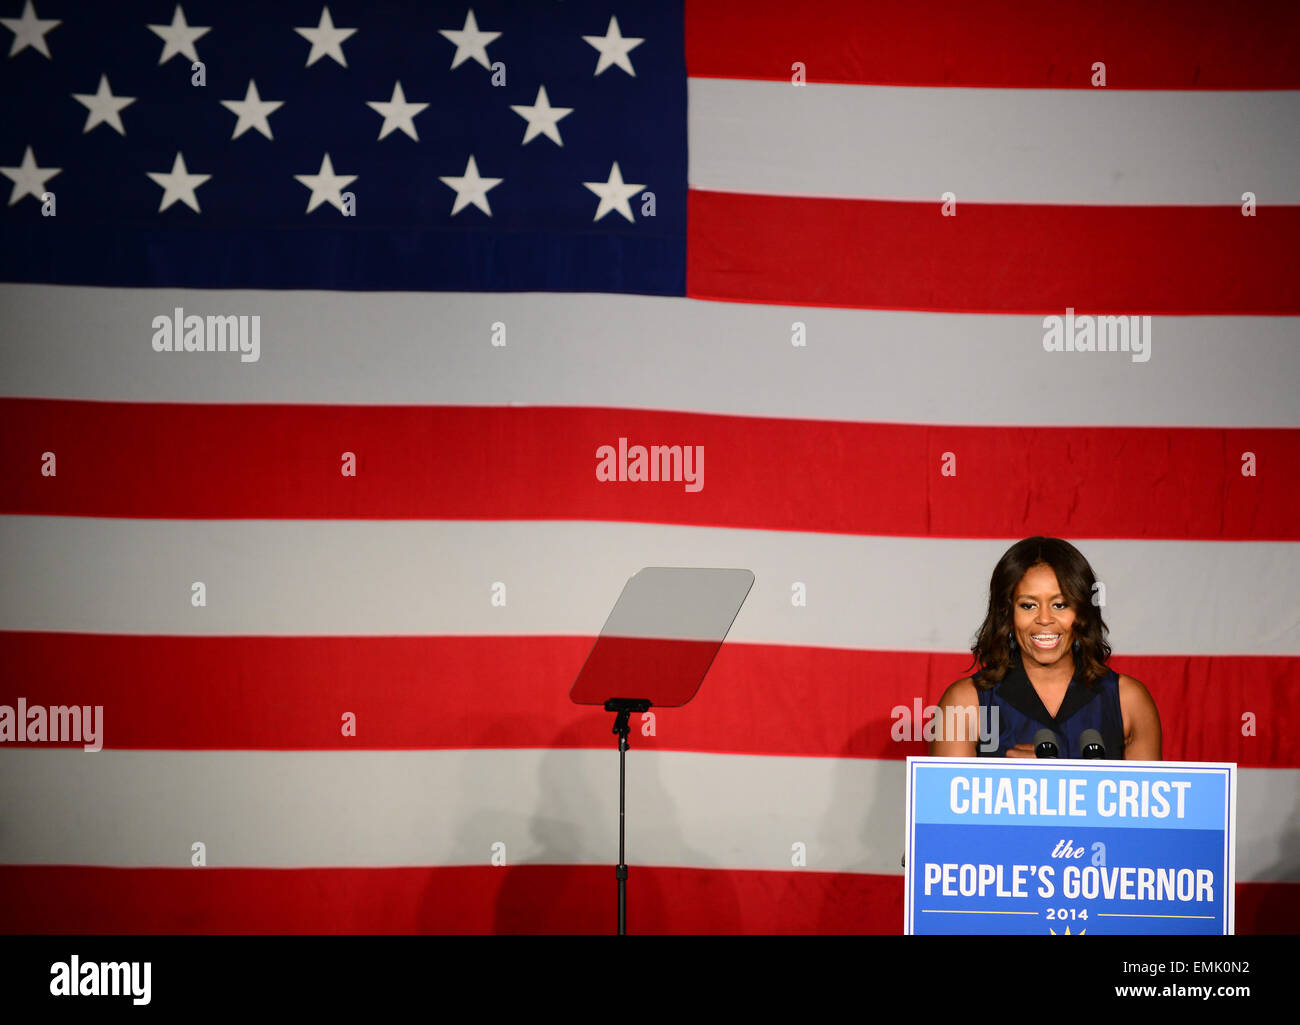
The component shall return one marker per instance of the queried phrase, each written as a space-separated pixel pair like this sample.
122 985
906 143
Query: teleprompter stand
624 707
659 641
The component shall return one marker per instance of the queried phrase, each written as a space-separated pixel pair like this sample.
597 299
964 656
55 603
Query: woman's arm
959 700
1141 721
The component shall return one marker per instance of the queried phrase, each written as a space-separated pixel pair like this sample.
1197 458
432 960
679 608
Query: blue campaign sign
1043 846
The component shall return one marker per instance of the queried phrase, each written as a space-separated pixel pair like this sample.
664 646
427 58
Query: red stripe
260 461
665 671
1194 44
520 899
993 258
289 693
43 899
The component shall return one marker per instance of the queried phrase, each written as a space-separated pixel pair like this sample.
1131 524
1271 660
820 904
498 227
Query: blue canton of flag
375 146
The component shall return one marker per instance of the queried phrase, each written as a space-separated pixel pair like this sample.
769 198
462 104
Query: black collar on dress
1016 690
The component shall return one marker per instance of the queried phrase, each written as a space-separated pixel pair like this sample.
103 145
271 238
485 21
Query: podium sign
1041 846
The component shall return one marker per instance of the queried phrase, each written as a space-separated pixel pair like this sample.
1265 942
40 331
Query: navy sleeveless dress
1021 712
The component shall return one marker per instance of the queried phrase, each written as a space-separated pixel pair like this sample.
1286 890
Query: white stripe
386 577
696 604
1070 146
276 809
644 352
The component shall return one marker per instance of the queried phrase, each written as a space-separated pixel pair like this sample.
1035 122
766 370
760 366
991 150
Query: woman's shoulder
963 692
1109 679
1122 681
1130 692
1131 688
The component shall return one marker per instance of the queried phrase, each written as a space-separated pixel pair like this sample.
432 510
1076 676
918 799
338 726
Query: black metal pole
624 707
621 869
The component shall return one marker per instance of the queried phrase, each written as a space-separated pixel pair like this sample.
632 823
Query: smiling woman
1042 653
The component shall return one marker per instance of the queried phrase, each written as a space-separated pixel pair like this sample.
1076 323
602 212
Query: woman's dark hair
993 647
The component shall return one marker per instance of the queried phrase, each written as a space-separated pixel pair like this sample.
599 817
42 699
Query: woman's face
1044 622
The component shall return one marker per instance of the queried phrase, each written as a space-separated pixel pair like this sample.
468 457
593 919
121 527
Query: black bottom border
571 975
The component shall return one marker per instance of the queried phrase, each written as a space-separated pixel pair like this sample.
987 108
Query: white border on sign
1094 765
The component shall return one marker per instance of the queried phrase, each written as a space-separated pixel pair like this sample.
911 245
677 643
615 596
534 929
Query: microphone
1047 744
1092 745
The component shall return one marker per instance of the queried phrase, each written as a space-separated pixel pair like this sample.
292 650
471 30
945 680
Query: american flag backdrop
316 317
